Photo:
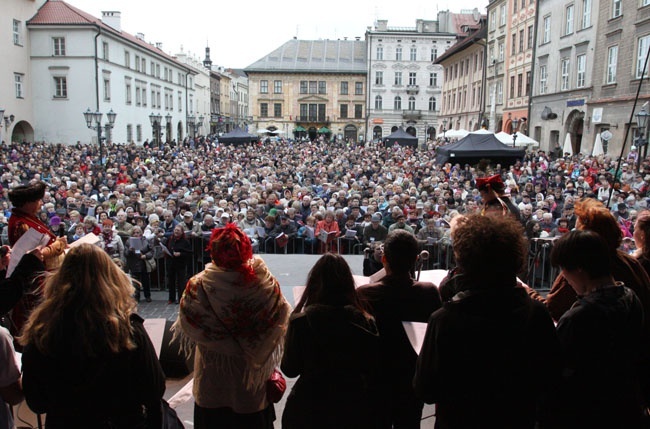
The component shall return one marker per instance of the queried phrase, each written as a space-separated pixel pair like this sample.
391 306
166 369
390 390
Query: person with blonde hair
87 360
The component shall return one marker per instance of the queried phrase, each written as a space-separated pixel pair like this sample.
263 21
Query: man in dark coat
398 298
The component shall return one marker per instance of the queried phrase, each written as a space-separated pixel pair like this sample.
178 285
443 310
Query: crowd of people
491 353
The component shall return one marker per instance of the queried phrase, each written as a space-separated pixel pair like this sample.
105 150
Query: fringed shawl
219 306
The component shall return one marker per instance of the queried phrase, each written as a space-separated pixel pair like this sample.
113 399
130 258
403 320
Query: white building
405 87
17 121
199 106
80 62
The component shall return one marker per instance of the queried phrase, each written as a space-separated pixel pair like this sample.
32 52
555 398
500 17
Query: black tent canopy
237 136
477 146
400 137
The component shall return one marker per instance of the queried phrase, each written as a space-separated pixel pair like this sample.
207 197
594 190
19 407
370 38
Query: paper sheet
89 238
30 240
415 331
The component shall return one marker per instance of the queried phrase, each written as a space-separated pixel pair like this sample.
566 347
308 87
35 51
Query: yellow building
310 88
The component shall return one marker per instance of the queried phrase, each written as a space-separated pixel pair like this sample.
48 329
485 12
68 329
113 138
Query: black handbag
170 419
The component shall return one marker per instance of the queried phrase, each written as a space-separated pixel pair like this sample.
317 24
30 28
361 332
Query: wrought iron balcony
412 89
412 114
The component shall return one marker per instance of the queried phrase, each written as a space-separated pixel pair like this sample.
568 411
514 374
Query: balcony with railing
313 118
412 115
412 89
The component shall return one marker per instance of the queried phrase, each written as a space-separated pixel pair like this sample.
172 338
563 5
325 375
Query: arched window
432 104
411 103
378 102
398 103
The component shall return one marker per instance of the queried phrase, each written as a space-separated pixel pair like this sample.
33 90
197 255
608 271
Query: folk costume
495 201
235 317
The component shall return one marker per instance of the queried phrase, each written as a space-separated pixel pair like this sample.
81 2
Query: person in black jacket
395 299
22 280
87 361
489 353
332 344
178 262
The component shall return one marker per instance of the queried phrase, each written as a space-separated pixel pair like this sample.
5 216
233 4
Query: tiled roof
463 44
58 12
318 56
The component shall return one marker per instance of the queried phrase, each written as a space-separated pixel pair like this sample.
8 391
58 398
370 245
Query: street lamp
190 123
198 125
444 130
168 119
514 122
642 121
155 124
8 120
94 122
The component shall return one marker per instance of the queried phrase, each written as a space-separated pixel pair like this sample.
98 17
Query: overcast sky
240 32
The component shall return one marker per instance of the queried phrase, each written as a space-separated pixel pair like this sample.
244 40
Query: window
322 87
586 14
18 84
343 109
398 53
581 67
513 44
379 104
493 21
59 46
414 53
397 104
433 79
143 69
502 16
313 86
138 133
358 88
645 2
379 78
612 61
411 103
617 8
564 74
527 83
264 110
105 50
128 93
529 45
413 78
60 87
515 3
434 53
520 82
432 104
380 52
499 91
642 52
546 35
512 87
500 47
398 78
521 40
344 88
158 75
277 110
129 133
303 86
358 111
264 86
277 87
568 20
107 89
17 29
127 60
152 69
144 96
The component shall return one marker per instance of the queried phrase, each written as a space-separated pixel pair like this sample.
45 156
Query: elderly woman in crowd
235 354
88 362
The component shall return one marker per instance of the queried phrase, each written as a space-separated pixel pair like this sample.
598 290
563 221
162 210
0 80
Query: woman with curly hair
642 239
234 316
87 361
490 344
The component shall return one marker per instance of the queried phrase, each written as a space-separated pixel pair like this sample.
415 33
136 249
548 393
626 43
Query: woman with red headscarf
235 317
495 201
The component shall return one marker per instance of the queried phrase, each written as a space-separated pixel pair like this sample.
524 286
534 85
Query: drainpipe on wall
532 75
99 32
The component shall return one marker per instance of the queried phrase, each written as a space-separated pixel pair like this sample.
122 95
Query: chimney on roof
159 45
207 62
357 38
112 19
381 25
139 36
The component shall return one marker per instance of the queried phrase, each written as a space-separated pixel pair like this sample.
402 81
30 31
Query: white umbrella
522 139
455 134
262 131
598 146
567 145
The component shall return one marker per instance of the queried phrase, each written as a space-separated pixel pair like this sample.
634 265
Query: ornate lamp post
8 120
190 123
94 122
642 144
155 124
605 136
168 122
515 122
444 130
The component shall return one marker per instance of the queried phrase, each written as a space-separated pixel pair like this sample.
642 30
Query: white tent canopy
522 139
598 146
455 134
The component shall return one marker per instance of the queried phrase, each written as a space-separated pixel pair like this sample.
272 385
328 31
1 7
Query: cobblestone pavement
290 270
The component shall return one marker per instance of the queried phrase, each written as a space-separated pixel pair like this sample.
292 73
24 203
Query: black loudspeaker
173 361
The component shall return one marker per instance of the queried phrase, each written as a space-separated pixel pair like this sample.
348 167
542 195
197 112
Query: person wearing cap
190 226
401 224
375 232
236 357
290 232
495 201
56 227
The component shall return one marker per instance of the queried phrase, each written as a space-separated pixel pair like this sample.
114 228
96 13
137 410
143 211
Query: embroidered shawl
219 305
